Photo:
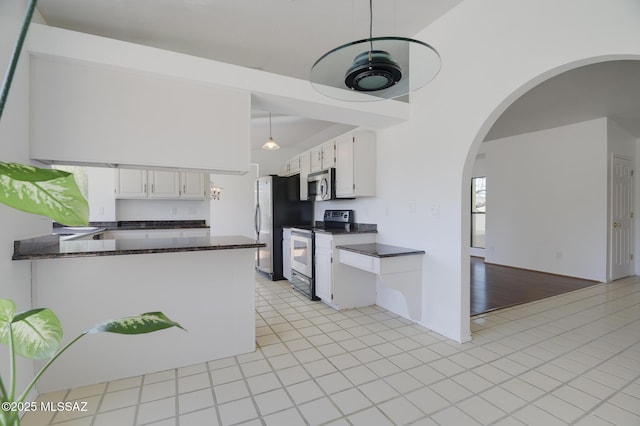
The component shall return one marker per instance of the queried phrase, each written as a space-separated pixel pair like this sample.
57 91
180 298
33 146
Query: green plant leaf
139 324
7 312
36 333
47 192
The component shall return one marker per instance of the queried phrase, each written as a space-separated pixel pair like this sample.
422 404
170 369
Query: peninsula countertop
380 250
52 246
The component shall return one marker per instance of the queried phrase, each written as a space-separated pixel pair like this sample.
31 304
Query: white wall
14 144
89 113
162 210
547 203
232 214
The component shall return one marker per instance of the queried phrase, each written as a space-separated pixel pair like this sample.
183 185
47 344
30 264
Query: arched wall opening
601 254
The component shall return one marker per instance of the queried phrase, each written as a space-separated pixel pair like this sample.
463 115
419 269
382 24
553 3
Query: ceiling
279 36
287 36
605 89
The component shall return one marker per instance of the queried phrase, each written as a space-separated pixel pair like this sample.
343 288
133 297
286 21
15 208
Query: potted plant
37 333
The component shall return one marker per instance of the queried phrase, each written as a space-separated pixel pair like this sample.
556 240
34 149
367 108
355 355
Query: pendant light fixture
270 144
375 68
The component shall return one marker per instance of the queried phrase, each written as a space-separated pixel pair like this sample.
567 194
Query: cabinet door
283 170
324 275
192 185
305 169
324 267
131 183
328 155
164 184
294 165
345 183
316 159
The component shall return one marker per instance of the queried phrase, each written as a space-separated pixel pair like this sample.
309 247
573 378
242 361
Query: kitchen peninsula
207 284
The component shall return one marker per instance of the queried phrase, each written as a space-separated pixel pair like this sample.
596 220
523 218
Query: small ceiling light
393 68
270 144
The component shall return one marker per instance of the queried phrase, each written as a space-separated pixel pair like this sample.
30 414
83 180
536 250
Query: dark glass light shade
394 67
372 71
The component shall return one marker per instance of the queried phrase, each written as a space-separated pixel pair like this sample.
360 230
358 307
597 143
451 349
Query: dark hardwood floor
495 286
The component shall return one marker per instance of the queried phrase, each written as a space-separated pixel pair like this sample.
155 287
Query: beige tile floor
571 359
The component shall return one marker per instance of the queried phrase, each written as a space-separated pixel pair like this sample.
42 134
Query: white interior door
622 202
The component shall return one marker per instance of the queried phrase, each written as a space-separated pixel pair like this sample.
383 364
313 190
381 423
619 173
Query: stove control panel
338 216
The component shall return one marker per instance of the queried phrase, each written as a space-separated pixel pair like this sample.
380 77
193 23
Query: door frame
610 220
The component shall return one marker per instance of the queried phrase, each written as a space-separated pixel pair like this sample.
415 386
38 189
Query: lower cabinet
339 285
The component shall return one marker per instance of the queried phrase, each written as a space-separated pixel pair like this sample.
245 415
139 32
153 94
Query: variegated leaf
7 312
36 334
139 324
47 192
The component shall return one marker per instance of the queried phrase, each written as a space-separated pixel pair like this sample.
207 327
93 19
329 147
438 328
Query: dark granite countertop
379 250
51 246
354 228
127 225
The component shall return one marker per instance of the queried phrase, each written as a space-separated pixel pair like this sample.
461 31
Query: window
478 211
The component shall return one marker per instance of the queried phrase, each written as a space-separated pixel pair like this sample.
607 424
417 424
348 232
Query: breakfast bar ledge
208 287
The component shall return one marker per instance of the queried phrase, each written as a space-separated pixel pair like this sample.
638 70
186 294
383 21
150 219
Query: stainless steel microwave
321 185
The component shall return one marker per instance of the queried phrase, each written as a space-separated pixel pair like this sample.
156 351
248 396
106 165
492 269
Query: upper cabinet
290 167
192 185
159 184
91 114
323 156
164 184
354 157
305 169
131 183
356 165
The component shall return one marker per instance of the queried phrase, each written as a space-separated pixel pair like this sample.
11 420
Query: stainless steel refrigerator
277 204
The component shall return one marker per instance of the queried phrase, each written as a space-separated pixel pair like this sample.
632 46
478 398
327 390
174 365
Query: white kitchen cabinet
294 165
159 184
192 185
316 158
290 167
286 253
323 156
305 169
164 184
356 165
328 155
131 183
324 267
338 285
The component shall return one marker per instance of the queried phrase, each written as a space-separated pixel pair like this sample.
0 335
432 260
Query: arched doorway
554 213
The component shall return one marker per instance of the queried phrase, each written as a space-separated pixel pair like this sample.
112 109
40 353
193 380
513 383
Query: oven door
302 252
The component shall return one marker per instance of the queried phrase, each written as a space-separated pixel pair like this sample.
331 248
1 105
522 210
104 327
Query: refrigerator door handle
256 221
